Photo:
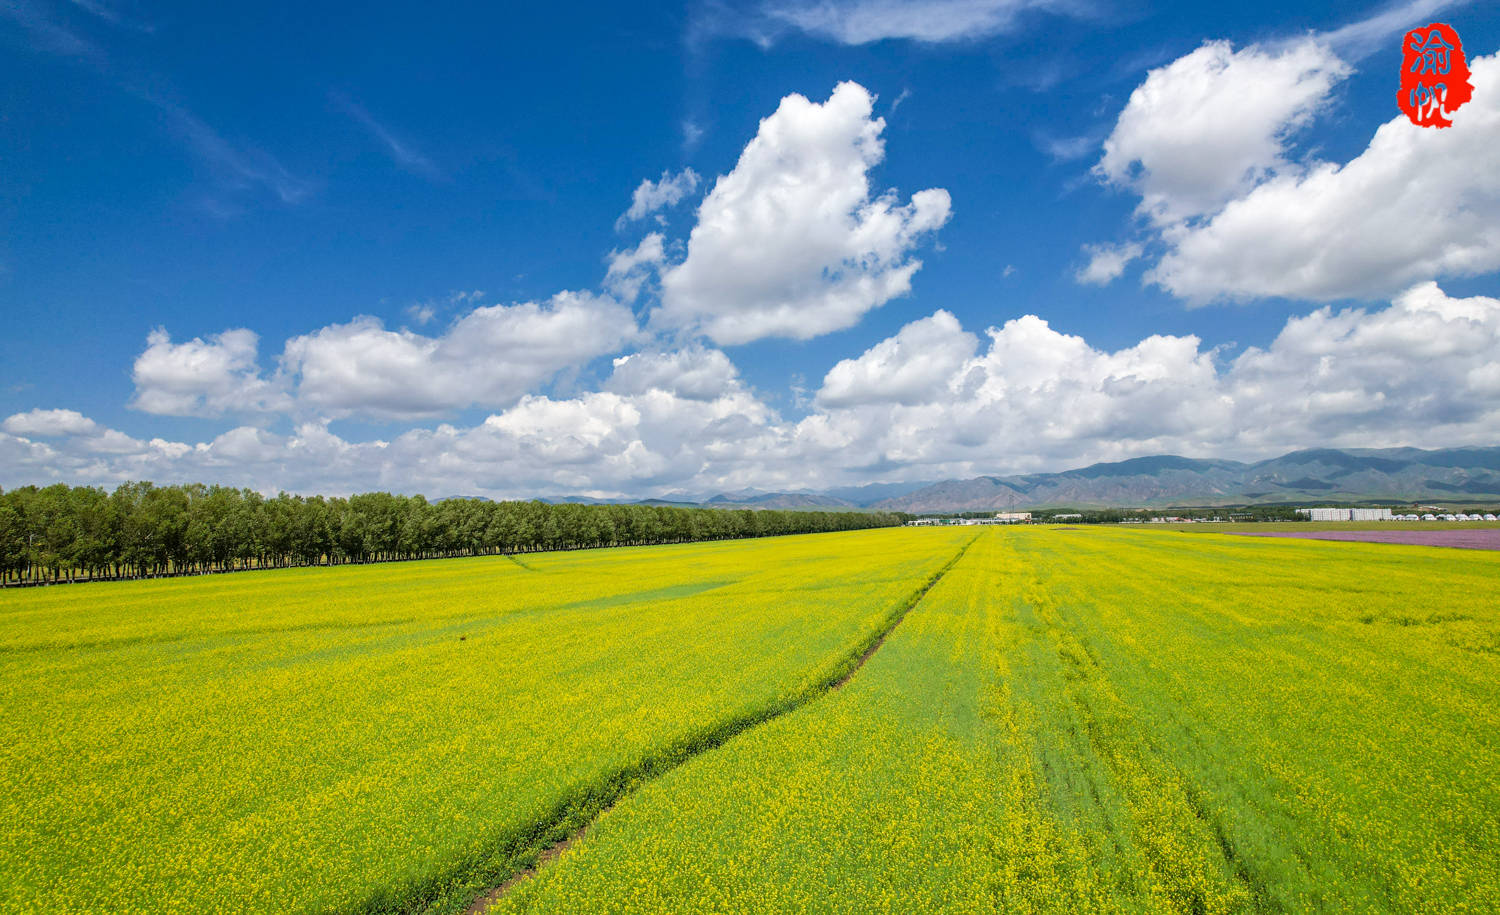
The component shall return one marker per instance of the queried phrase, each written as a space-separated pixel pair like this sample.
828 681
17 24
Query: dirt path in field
555 850
518 561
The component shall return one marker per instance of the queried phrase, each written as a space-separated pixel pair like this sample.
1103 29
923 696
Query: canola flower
1106 721
392 737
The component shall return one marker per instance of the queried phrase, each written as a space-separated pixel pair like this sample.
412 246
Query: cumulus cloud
1419 372
1422 371
202 377
1210 125
78 433
1035 397
1106 263
629 269
909 368
48 423
695 373
491 356
927 403
652 196
1417 204
1206 142
791 243
597 443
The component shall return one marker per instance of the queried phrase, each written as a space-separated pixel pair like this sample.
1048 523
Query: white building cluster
1000 518
1347 514
1384 514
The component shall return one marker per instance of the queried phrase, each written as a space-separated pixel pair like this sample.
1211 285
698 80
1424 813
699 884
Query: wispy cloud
49 36
692 135
1366 36
112 15
402 152
236 168
1068 149
857 22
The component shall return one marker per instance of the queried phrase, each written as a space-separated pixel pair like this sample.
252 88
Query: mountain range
1311 476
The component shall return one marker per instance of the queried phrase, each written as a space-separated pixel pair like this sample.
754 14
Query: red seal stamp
1434 75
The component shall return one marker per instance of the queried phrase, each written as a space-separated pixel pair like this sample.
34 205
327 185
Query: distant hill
1331 475
777 500
1317 475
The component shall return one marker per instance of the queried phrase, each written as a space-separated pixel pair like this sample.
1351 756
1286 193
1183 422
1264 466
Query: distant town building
1013 517
1347 514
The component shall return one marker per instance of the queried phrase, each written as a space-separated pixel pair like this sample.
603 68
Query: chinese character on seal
1434 75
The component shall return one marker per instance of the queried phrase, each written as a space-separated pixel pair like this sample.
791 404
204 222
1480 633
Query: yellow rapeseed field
1106 720
395 737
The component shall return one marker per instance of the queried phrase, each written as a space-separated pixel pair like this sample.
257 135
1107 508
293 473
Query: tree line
70 533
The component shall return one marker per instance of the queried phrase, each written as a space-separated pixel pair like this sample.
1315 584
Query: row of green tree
69 533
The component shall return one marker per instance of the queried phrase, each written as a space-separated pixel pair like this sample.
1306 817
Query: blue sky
335 250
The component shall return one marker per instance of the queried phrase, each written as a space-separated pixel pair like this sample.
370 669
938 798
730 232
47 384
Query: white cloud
695 373
598 443
855 22
48 423
1206 141
629 269
491 356
202 377
78 433
927 403
1418 203
1210 125
652 196
908 368
421 314
1067 149
1419 373
1106 263
790 243
1034 399
244 445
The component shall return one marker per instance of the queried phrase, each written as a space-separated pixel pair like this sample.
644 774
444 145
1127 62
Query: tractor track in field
721 735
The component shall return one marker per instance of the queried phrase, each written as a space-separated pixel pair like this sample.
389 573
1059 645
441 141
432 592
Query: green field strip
304 747
546 840
1113 720
1120 721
